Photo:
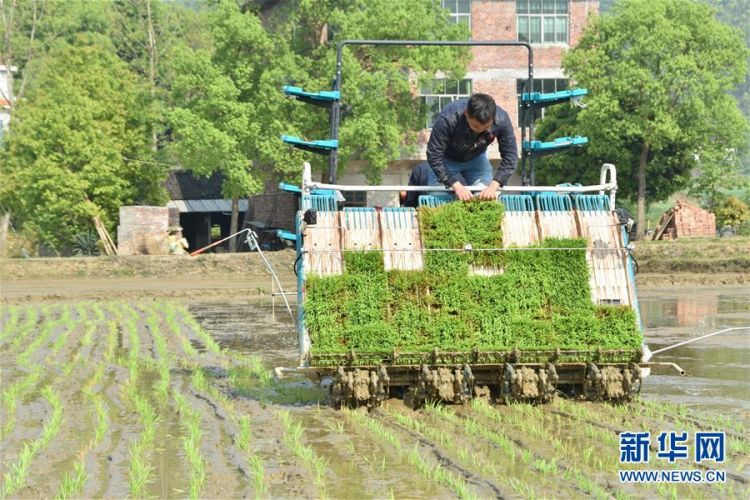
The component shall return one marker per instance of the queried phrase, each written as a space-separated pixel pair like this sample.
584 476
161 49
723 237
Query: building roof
204 206
183 185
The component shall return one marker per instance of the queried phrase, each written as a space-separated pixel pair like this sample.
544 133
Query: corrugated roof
183 185
203 206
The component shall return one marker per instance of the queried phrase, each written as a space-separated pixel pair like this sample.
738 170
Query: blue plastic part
403 217
320 146
289 188
435 200
286 235
557 144
323 98
355 220
553 202
517 202
592 202
539 99
322 203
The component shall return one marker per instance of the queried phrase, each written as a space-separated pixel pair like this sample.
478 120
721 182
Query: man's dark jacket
452 138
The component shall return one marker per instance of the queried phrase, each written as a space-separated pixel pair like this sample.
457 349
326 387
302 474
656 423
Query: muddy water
718 368
251 327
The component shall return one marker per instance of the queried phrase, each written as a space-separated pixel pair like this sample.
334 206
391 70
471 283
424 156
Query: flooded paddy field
174 397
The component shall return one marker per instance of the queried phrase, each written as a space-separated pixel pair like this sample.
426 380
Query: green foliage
64 160
732 212
658 100
380 106
541 299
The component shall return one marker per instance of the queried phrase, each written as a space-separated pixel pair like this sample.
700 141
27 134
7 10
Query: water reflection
718 368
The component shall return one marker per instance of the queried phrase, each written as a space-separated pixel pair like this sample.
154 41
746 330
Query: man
457 149
420 176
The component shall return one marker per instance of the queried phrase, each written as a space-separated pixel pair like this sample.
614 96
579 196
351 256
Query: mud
564 448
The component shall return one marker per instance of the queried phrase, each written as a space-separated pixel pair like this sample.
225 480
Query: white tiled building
5 98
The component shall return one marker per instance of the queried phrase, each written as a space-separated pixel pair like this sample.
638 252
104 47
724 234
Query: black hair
481 107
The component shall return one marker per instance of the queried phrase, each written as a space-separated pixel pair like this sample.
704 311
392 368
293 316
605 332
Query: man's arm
436 147
506 141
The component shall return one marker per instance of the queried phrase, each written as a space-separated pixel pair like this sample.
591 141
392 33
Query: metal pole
654 353
336 110
252 237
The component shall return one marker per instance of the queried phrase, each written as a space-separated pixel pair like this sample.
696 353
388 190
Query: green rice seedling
521 487
293 439
10 323
81 311
73 482
439 474
140 471
109 353
436 472
451 445
259 476
17 473
98 312
47 331
202 334
191 424
374 427
100 408
243 439
12 394
738 446
25 328
174 328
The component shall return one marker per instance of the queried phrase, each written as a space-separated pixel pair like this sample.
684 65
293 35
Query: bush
732 212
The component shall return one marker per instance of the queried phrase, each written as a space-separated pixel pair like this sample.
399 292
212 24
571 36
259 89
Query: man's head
480 112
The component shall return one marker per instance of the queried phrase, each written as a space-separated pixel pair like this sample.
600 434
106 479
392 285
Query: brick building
552 26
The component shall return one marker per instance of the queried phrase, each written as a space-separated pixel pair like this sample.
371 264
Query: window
355 198
441 93
460 11
542 21
543 85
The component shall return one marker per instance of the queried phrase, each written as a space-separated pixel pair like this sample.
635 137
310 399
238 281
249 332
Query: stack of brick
143 231
685 220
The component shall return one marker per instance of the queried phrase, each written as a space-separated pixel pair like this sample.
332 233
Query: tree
31 28
659 73
380 103
220 95
66 157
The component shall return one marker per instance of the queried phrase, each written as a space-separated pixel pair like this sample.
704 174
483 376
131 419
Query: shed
204 214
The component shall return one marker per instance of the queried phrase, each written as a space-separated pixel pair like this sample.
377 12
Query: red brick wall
143 230
496 20
504 92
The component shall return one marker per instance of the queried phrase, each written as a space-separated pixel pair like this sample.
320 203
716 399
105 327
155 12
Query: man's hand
462 193
490 192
